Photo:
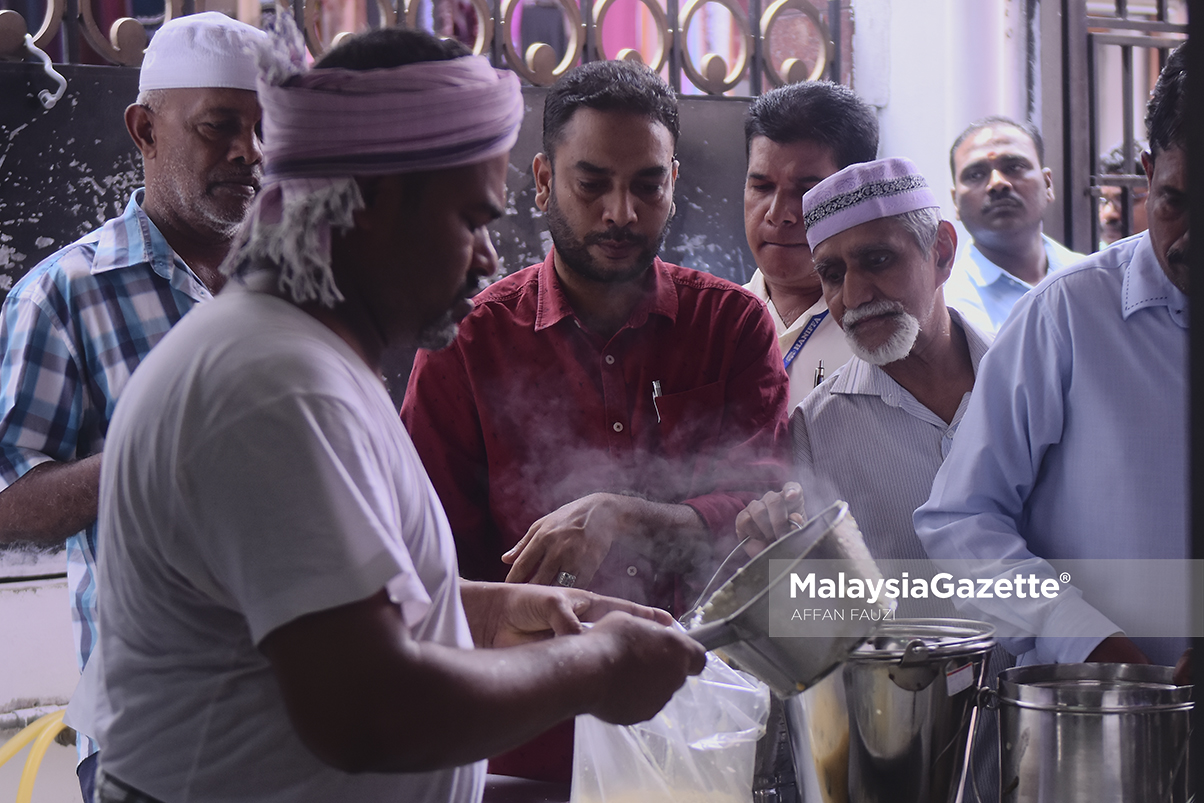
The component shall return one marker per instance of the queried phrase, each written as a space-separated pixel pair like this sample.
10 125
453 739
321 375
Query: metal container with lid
911 692
1093 732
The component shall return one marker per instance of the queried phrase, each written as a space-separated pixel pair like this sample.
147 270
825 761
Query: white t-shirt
255 471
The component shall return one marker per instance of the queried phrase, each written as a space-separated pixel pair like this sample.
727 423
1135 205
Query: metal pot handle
713 635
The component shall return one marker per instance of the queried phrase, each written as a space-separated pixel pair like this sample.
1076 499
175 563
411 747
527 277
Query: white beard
895 347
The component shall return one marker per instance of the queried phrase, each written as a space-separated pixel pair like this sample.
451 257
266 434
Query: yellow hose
23 737
41 732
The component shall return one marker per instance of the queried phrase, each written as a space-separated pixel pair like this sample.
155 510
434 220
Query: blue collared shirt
985 293
1074 445
71 333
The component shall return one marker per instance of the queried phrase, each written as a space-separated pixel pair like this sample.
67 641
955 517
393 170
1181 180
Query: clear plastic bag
699 749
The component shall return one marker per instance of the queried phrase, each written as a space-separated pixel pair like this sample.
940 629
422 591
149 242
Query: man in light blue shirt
1001 191
1075 442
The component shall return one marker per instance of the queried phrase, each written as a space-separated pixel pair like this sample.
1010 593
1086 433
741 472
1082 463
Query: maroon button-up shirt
527 411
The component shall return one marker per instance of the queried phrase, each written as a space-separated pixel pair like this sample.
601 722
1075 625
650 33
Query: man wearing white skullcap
75 327
876 431
283 618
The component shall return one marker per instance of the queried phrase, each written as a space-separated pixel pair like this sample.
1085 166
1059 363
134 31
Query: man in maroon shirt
602 418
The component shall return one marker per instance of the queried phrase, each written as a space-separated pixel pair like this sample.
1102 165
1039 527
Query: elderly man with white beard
875 433
877 430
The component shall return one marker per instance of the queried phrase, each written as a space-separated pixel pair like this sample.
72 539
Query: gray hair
922 225
150 98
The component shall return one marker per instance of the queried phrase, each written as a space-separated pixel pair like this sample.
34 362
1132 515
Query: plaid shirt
71 333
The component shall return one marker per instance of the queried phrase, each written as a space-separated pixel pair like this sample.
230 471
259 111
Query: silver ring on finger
566 579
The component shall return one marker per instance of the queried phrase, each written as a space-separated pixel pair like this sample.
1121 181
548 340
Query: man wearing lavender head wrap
602 416
282 617
77 325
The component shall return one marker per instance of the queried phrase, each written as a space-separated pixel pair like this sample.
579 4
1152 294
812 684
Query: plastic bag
699 749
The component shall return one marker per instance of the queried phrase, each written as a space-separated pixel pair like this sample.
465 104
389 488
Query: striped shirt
862 438
71 333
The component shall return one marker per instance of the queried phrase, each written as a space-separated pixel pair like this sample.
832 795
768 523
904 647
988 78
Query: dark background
65 171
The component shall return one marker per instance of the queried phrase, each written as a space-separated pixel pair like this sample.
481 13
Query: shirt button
632 571
610 359
618 427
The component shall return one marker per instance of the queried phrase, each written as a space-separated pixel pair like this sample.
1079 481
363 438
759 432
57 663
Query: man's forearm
660 529
50 502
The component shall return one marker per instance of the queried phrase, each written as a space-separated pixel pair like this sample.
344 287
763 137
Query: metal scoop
737 615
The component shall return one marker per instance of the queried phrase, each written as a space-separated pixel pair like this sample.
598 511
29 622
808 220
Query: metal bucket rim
976 638
1034 687
1063 708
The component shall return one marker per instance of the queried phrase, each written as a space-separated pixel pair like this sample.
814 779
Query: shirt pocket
690 420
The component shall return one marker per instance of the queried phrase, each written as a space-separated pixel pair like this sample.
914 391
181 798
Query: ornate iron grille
784 41
1144 33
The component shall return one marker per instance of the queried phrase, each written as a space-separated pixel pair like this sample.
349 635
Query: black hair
1113 162
1030 130
1166 113
622 86
390 47
816 111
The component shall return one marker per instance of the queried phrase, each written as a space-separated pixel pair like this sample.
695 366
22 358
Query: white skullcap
208 49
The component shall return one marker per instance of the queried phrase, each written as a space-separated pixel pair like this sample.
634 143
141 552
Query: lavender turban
861 193
323 127
426 116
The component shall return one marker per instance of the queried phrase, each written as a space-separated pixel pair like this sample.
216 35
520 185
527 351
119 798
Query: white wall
37 667
37 656
934 66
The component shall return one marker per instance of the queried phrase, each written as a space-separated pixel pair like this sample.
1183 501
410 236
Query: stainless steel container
1104 733
911 693
738 615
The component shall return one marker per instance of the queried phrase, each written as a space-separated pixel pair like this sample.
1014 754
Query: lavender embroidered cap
209 50
861 193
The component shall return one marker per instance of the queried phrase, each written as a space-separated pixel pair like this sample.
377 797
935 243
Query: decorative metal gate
1100 39
784 41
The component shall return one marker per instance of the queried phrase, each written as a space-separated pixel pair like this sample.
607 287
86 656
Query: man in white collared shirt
795 137
1001 190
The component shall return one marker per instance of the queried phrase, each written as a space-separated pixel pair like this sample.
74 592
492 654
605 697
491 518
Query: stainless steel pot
1097 733
912 694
